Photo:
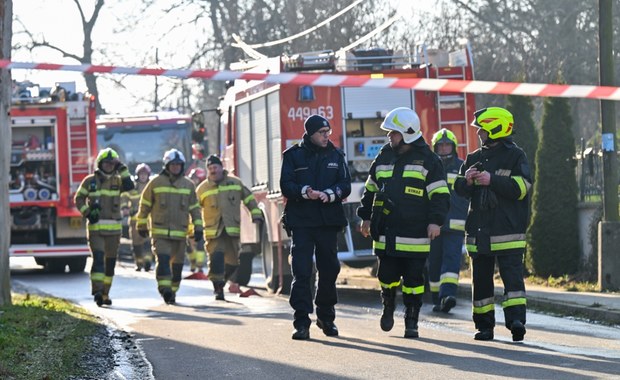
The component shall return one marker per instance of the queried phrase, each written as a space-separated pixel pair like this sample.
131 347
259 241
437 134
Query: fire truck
259 120
53 147
143 138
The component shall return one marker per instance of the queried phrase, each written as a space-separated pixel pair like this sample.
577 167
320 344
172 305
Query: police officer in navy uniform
315 180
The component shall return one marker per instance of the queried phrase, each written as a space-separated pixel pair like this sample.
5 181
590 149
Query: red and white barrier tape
334 80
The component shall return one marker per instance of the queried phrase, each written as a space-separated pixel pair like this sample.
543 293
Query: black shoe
484 334
168 295
98 299
301 333
329 328
219 295
106 300
437 308
447 303
518 331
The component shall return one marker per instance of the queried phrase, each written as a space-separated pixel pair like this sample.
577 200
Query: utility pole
156 101
609 228
6 32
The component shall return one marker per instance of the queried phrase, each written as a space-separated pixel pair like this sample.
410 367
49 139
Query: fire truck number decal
302 113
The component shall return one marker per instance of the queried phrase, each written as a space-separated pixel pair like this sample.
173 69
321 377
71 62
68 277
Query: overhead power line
301 34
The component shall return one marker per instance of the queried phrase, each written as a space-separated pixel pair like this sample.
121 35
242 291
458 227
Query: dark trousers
309 242
511 272
444 264
411 270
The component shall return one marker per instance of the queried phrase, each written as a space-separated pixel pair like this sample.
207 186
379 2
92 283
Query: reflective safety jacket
103 190
415 183
165 205
498 214
221 205
130 200
455 221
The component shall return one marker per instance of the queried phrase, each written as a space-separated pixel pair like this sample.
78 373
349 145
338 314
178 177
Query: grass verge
44 338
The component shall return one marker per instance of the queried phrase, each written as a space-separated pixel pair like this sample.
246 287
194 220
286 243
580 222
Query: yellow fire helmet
444 136
107 154
496 121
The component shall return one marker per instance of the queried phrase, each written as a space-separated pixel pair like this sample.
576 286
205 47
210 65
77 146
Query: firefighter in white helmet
444 261
166 204
130 202
99 201
405 202
496 179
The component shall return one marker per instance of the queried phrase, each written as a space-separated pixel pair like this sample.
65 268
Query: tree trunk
6 17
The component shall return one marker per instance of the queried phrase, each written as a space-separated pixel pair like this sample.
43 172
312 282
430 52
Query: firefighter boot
411 321
218 290
484 334
518 331
387 318
168 296
138 257
98 297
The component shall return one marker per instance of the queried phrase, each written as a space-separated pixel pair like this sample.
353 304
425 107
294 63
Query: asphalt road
249 338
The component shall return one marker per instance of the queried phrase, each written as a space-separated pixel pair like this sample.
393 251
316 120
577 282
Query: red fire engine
259 120
53 147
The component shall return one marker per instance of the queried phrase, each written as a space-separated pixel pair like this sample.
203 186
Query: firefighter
405 202
496 179
221 196
130 202
166 205
99 201
315 180
195 251
444 261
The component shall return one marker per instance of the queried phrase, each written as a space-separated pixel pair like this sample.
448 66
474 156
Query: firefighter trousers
223 252
444 264
104 250
511 272
309 244
170 255
406 273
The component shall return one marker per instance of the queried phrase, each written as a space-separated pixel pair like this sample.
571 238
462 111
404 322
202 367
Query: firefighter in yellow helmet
496 179
99 200
130 202
444 260
221 197
405 202
166 204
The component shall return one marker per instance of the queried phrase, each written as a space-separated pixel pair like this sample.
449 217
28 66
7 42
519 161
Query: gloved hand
120 167
143 233
93 215
198 235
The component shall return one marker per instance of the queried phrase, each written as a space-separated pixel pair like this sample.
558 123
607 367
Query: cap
314 123
213 159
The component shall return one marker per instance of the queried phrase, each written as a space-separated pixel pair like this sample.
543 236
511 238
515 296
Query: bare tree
85 56
6 15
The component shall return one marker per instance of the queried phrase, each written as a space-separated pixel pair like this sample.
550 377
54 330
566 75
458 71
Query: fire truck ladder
452 106
79 150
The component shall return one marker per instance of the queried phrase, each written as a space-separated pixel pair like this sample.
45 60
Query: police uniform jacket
323 169
498 213
455 221
415 183
221 205
165 204
104 190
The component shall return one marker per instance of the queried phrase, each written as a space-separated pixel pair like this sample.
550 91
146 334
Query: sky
59 22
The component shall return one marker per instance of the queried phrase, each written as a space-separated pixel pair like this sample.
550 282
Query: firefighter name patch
414 191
